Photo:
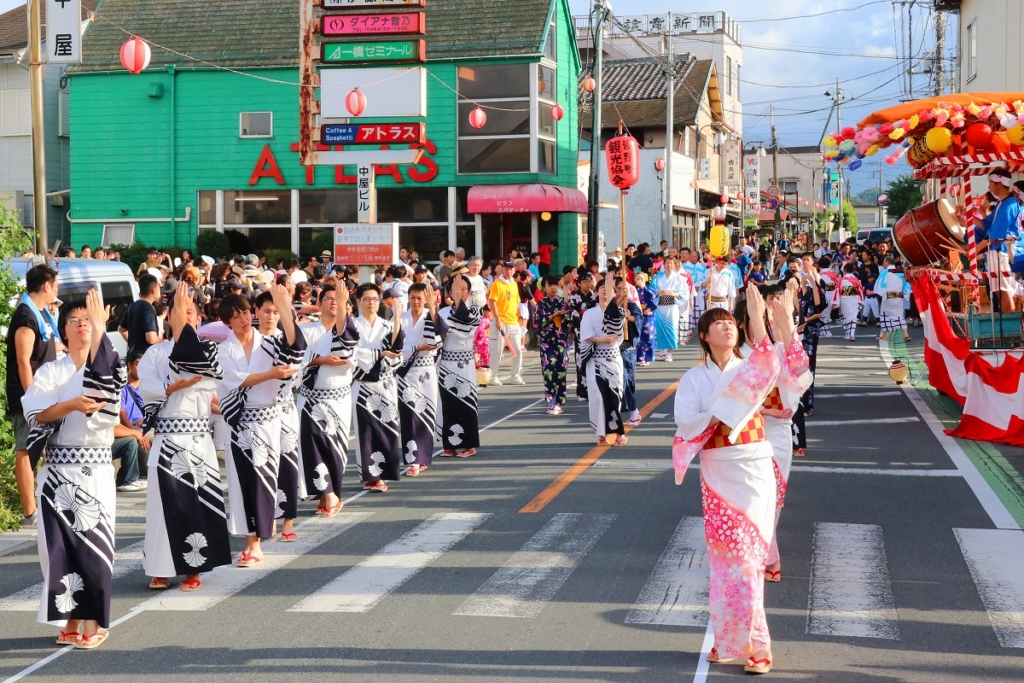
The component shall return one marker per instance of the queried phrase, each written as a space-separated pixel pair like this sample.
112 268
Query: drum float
925 235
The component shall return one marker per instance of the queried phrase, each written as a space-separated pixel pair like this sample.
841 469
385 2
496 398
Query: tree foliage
904 194
14 241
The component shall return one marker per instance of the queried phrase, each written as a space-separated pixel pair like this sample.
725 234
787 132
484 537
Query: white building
711 36
990 51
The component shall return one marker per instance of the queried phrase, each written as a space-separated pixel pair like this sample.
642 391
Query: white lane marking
997 512
223 582
126 561
658 416
859 394
532 576
700 675
829 375
676 593
995 558
851 592
370 581
876 421
892 472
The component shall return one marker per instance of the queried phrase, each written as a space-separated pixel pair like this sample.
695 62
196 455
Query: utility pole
670 134
939 71
594 210
841 220
775 167
35 75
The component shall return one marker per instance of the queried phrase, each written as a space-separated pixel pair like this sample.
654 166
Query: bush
239 242
132 254
274 256
213 244
14 241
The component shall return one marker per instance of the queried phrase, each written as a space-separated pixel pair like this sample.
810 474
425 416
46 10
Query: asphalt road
898 563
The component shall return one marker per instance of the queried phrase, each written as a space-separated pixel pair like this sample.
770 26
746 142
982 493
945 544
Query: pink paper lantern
135 55
477 118
660 164
355 102
557 113
724 199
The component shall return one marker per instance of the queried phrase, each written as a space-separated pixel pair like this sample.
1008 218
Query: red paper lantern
694 184
806 203
557 113
660 163
477 118
355 102
589 84
739 195
724 199
135 54
979 135
622 155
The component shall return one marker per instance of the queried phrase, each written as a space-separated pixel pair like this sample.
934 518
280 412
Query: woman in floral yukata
717 409
649 307
553 337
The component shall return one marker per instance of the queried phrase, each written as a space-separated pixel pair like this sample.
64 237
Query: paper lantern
477 118
694 184
660 164
939 139
718 241
724 199
355 102
979 135
806 203
557 113
622 155
135 55
589 84
1016 135
739 195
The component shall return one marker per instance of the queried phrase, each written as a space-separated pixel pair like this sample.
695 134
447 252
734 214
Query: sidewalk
12 541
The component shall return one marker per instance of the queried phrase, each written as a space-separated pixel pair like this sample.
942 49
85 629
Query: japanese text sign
372 24
64 31
366 52
373 133
622 154
731 162
360 4
365 244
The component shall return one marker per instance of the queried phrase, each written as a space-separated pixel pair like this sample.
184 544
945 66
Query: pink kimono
738 488
481 342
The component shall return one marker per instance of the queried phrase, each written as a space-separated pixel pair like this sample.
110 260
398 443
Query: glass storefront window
306 237
402 205
258 207
546 88
462 204
428 240
545 156
248 240
327 206
499 121
494 81
501 155
208 208
465 237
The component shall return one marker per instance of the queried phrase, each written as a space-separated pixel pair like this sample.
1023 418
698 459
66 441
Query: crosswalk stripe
676 593
994 558
126 561
223 582
367 583
877 421
532 576
851 592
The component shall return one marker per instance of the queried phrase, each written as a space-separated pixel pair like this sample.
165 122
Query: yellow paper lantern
1016 135
872 150
939 139
718 241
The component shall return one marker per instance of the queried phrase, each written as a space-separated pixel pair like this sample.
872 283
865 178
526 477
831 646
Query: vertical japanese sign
731 162
752 180
366 210
64 31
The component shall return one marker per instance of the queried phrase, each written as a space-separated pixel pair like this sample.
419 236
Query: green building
206 137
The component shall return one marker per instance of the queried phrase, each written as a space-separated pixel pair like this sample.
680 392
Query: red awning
769 216
525 199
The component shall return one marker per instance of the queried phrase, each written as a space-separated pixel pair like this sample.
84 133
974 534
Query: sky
782 61
866 48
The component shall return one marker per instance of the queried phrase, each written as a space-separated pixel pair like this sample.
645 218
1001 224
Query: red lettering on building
266 167
388 169
427 162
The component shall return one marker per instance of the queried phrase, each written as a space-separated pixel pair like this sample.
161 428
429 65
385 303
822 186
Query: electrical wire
811 16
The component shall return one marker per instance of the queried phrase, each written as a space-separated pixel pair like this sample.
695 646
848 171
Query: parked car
876 235
75 277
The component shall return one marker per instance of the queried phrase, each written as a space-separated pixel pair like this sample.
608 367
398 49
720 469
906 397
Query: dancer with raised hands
600 341
460 422
186 524
717 410
72 406
417 377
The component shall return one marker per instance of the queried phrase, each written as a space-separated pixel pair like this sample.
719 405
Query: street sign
358 244
773 191
705 169
63 31
395 51
883 199
370 4
373 24
373 133
773 204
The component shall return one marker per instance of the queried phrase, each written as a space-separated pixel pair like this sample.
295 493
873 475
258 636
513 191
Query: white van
76 276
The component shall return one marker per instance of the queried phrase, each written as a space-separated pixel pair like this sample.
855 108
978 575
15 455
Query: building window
547 127
120 233
789 187
413 205
258 207
64 113
728 75
972 50
551 43
15 113
256 124
207 208
327 207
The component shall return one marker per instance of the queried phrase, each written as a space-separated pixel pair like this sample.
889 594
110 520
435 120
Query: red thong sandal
191 585
467 453
758 666
448 454
289 537
713 656
247 560
774 577
68 638
320 510
414 471
159 584
377 487
93 641
332 511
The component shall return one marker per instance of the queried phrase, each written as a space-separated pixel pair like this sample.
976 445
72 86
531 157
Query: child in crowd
482 345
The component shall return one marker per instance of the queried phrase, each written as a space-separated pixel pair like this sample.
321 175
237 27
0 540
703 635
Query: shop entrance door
501 232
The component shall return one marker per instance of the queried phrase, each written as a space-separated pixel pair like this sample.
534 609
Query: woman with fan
460 423
72 406
417 377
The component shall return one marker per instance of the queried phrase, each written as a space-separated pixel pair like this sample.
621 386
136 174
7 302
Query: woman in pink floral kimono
717 414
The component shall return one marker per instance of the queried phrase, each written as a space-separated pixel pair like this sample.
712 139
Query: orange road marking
567 477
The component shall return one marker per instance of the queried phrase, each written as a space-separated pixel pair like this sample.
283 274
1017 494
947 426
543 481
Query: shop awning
531 198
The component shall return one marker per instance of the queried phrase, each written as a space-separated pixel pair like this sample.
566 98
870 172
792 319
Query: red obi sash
752 433
773 401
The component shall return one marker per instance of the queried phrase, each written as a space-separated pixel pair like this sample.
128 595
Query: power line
811 16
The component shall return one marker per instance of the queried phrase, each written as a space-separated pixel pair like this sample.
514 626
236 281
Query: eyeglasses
74 322
370 300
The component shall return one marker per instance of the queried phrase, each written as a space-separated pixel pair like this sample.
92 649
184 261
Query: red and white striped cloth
988 385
